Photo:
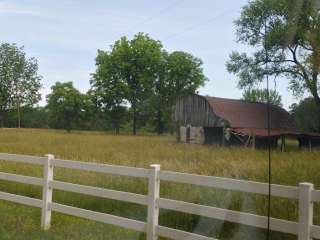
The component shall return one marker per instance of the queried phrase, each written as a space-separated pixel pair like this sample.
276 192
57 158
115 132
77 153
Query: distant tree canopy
306 115
140 72
19 80
33 117
65 106
261 95
289 31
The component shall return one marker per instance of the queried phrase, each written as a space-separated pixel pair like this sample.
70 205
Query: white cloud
13 8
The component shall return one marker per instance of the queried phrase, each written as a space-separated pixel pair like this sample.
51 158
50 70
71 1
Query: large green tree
65 105
285 34
126 73
140 72
179 74
19 80
109 89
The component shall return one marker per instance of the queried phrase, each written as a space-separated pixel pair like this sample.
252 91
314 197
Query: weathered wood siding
195 110
196 135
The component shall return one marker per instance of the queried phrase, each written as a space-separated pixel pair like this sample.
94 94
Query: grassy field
19 222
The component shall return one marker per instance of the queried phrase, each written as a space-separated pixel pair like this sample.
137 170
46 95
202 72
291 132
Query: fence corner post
305 211
47 192
153 196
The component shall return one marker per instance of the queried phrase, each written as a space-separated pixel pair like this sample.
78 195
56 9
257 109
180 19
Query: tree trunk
19 114
171 130
68 125
134 125
159 122
317 100
2 118
318 104
116 119
117 126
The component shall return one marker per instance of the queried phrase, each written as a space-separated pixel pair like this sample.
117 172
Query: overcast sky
64 35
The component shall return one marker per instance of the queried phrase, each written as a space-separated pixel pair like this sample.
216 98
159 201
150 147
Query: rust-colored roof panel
253 115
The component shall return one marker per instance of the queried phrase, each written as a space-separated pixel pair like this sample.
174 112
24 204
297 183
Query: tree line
135 85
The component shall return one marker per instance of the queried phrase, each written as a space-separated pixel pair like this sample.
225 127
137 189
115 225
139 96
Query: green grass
19 222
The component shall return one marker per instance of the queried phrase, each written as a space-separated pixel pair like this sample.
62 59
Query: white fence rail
304 194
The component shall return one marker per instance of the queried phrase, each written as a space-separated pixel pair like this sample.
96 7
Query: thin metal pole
269 132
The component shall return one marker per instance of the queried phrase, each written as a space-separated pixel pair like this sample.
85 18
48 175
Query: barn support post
283 143
253 141
310 144
153 197
47 192
300 144
223 140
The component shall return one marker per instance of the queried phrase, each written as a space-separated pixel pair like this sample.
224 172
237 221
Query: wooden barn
212 120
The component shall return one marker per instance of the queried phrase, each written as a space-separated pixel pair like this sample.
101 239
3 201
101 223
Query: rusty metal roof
252 115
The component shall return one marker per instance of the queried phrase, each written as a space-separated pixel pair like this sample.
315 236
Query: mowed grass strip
288 168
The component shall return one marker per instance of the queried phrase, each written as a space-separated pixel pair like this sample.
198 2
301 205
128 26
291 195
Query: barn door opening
188 134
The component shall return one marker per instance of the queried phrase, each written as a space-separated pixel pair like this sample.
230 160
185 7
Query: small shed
212 120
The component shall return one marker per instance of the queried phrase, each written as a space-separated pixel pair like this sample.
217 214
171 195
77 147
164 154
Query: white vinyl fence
304 194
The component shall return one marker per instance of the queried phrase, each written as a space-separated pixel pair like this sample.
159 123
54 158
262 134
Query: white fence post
153 208
47 192
305 211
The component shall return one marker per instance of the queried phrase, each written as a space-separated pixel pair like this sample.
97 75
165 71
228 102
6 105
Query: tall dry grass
288 168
